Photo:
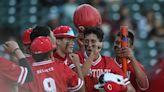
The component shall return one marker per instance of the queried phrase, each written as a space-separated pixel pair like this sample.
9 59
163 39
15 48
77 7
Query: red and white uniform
131 75
102 65
65 60
51 76
11 73
157 80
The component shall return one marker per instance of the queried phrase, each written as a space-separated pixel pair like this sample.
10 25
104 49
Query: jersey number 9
49 85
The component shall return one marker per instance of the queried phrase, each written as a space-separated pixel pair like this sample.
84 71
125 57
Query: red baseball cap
41 45
26 36
64 32
114 87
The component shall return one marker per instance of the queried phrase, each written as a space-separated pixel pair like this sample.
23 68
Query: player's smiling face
66 45
90 41
69 44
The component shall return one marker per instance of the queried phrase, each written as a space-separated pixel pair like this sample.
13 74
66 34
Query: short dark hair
131 36
95 30
39 31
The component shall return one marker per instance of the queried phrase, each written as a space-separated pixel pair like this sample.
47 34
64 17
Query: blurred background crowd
145 17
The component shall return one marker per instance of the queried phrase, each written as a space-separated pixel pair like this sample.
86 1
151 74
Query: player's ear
99 45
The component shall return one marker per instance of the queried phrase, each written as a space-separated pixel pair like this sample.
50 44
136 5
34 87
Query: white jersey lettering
98 72
45 70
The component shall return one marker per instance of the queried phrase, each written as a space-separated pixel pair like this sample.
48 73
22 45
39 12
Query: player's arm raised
76 61
141 77
12 47
87 65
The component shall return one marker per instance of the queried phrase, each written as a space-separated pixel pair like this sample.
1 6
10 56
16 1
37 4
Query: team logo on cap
109 86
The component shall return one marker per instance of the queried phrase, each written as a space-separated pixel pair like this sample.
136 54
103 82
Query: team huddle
50 64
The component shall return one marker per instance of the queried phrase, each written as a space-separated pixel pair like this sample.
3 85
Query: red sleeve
12 72
117 70
74 83
70 64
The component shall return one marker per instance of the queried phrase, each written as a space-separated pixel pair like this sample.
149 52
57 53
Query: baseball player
95 64
65 42
65 38
135 70
11 73
30 34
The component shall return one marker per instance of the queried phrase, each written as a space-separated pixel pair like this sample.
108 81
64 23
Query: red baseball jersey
65 60
131 75
51 76
102 65
157 77
11 73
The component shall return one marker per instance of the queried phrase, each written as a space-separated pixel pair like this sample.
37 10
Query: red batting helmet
64 32
26 36
111 83
86 16
41 45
